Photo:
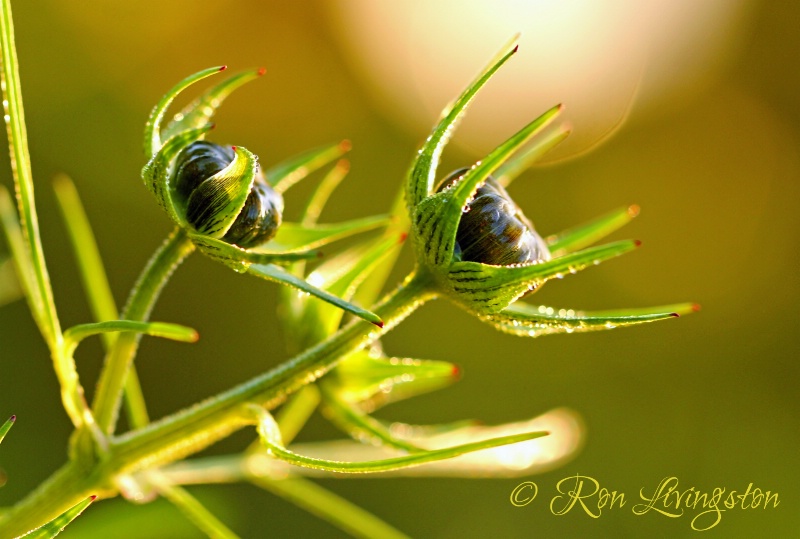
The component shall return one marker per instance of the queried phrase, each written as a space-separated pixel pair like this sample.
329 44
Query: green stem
23 178
143 296
195 428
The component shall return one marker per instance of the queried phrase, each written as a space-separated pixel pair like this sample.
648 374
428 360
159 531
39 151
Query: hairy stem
193 429
143 296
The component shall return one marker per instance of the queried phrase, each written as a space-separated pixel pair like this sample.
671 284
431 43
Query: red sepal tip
633 210
93 497
261 71
223 68
696 307
637 243
379 323
12 418
456 372
403 237
675 315
234 148
515 49
343 165
345 145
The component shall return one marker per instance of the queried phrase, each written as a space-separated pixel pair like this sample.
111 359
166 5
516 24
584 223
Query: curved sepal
486 289
423 169
152 130
200 111
437 217
534 321
215 204
156 172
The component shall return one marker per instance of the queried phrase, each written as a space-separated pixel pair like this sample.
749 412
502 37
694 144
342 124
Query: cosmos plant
472 243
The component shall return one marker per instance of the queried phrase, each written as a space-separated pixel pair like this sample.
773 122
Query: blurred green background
709 151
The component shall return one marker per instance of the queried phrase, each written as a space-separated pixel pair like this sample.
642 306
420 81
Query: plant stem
195 428
143 296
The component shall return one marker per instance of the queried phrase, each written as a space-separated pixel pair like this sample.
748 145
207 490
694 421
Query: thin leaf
6 427
361 376
524 159
95 285
522 459
490 289
21 256
293 237
152 130
423 170
270 437
200 111
19 155
328 506
586 234
287 173
196 512
74 335
57 525
531 321
276 274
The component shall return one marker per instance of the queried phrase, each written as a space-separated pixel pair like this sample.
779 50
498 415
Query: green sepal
156 172
152 129
7 427
423 170
293 237
534 321
57 525
437 217
271 272
526 157
200 111
287 173
222 196
238 258
486 289
586 234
